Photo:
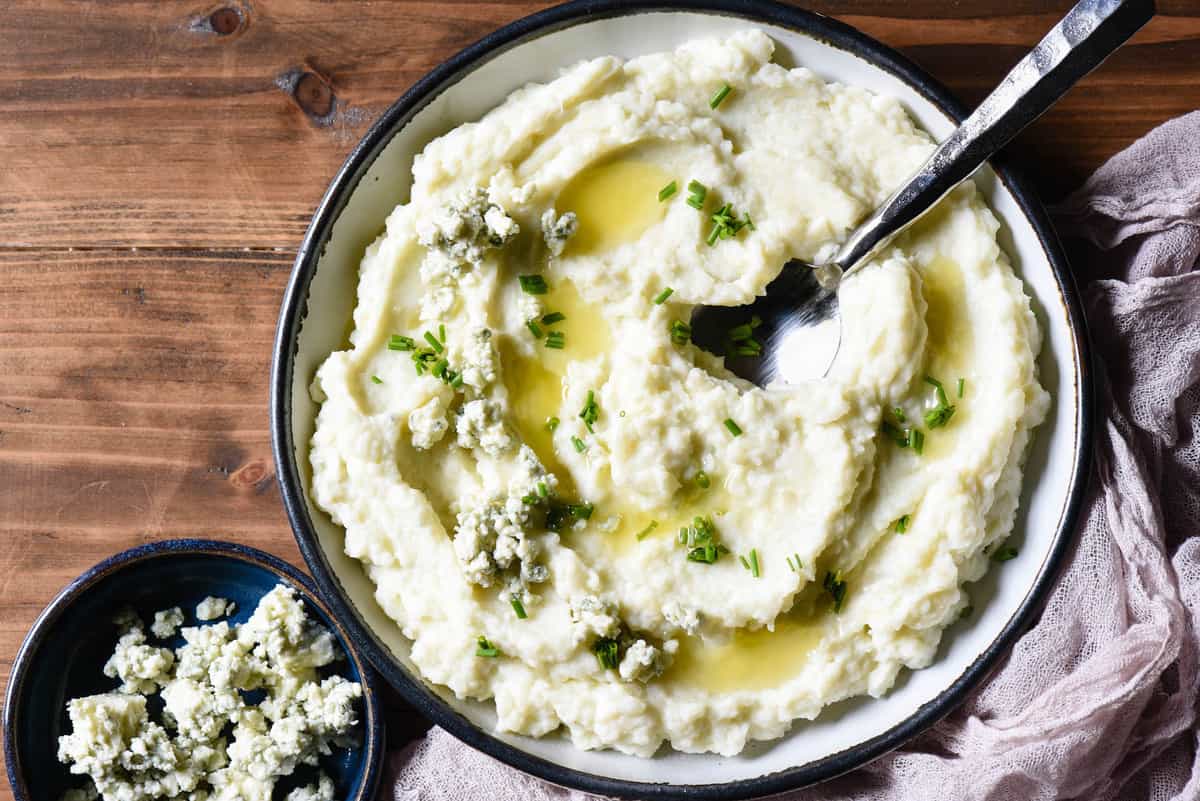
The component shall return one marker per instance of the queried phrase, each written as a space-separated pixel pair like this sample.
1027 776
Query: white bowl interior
1049 474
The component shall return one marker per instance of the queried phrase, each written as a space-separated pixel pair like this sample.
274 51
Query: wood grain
160 162
152 127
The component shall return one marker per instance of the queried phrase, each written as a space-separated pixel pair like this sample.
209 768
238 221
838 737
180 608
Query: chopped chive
667 191
591 411
938 417
754 562
702 480
441 332
534 328
641 535
542 490
579 444
581 511
939 389
556 340
794 563
1004 553
720 96
376 379
744 562
433 342
962 385
518 607
661 297
457 381
533 284
733 427
697 192
901 525
901 438
552 318
713 236
483 647
439 369
917 437
397 342
899 414
551 424
681 332
607 651
836 588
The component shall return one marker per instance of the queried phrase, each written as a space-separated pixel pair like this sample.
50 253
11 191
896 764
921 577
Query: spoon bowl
795 329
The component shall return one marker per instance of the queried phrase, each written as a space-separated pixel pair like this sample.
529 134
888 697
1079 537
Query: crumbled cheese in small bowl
179 624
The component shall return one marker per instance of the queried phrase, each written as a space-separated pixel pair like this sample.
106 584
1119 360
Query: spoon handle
1087 35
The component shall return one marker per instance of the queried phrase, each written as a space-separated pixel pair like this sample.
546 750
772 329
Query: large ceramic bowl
317 310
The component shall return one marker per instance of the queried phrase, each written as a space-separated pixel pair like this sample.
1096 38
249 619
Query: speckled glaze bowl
64 653
317 311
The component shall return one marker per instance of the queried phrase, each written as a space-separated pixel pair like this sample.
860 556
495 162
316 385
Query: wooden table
160 163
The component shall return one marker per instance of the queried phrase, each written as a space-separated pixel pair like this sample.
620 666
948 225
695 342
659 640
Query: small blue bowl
64 653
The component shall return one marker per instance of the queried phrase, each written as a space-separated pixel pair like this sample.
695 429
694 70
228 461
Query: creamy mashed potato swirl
517 485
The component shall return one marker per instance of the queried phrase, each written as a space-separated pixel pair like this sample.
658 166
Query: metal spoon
800 330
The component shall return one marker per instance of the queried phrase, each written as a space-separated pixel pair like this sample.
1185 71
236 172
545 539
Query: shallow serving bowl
320 298
64 653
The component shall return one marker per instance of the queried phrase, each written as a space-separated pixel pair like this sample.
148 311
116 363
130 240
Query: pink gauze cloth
1098 700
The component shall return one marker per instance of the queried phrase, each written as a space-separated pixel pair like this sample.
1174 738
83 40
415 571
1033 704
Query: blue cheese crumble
210 743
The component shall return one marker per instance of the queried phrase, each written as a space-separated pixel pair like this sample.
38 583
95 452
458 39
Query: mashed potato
572 510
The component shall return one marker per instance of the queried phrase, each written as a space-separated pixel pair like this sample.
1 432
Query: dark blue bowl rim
822 28
373 741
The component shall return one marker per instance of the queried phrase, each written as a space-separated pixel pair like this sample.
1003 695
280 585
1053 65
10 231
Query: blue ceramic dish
64 653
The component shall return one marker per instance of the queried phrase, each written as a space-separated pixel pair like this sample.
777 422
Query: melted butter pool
950 345
535 383
749 660
615 201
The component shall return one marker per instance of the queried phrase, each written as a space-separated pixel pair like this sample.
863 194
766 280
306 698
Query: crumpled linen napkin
1099 699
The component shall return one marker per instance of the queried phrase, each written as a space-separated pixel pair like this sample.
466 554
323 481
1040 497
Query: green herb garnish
681 332
485 648
794 563
733 427
534 328
556 340
607 651
726 225
551 424
579 444
552 318
397 342
740 339
591 412
701 540
901 525
916 438
641 535
720 96
661 297
533 284
697 192
754 562
518 607
939 415
836 588
667 191
437 346
962 385
702 480
899 414
1004 553
901 438
376 379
